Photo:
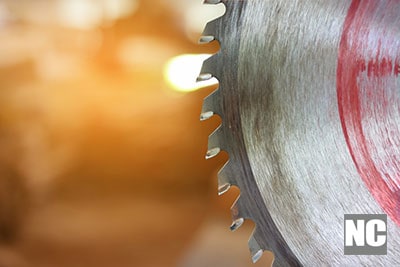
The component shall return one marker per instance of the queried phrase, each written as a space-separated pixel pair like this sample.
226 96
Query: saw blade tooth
212 2
236 224
238 210
257 256
222 189
239 214
215 144
255 249
205 39
211 28
209 69
206 115
225 181
211 105
225 176
216 139
213 152
204 77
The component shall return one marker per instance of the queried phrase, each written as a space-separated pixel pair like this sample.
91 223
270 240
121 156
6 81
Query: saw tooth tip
255 249
206 39
206 115
236 224
212 2
257 256
204 77
213 152
223 189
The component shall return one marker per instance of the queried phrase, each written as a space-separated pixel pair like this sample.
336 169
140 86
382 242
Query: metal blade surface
309 98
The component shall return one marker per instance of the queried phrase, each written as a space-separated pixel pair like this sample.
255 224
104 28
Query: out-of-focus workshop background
101 148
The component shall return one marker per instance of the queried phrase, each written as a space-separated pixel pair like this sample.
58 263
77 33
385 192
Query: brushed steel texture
281 127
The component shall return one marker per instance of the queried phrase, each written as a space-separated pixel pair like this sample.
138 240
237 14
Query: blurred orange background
102 151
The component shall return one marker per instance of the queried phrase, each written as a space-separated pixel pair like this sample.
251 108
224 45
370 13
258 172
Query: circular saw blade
309 97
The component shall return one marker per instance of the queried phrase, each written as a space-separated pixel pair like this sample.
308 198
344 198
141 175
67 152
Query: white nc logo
365 234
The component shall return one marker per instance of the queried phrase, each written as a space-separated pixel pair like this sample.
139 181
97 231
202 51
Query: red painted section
368 89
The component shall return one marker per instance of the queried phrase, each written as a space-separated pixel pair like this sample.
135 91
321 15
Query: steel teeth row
239 215
216 143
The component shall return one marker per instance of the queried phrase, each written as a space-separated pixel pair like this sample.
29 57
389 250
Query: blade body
310 102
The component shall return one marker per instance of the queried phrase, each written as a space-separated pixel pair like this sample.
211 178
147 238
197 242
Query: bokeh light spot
182 71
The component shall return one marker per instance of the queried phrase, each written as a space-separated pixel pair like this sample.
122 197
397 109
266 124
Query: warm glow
182 71
88 14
